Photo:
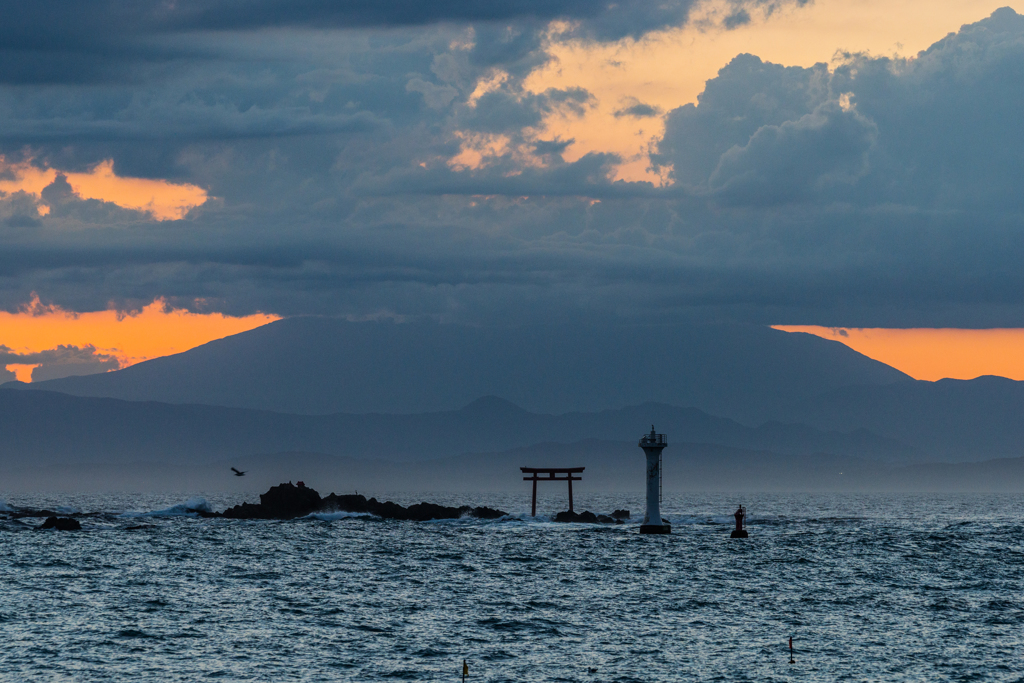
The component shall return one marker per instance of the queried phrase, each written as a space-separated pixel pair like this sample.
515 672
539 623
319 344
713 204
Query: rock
286 501
487 513
620 514
61 524
585 517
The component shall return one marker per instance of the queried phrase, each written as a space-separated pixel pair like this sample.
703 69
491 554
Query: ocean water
870 588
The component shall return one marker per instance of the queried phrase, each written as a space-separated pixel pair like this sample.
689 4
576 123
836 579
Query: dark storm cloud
797 159
882 192
51 41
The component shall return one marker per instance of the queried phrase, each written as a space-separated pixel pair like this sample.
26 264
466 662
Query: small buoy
739 532
465 670
791 660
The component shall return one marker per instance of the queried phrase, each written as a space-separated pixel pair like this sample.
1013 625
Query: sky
833 164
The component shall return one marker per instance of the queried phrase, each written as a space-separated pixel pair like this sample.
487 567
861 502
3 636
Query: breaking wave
331 516
189 507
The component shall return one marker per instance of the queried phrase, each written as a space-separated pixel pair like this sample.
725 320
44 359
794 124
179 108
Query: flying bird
237 473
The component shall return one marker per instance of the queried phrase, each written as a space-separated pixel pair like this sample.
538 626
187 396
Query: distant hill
954 420
322 365
44 428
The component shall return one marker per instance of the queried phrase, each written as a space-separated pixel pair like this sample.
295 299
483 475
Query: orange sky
161 199
151 333
669 69
933 354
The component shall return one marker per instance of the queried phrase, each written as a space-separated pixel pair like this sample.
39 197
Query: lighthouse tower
653 444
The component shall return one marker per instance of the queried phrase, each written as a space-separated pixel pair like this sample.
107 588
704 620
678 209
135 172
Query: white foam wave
4 507
189 507
331 516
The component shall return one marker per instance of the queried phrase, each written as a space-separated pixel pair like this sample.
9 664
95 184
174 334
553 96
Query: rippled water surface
887 588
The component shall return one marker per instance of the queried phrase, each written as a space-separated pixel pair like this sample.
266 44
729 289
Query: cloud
50 188
923 133
435 96
872 192
788 162
62 361
746 95
107 41
637 109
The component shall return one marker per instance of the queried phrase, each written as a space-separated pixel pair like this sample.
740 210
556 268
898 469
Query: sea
879 587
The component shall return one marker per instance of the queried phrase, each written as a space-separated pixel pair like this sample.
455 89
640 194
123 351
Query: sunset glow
151 333
161 199
669 69
933 354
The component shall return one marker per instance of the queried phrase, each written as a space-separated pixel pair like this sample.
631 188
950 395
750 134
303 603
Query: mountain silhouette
951 420
321 365
49 428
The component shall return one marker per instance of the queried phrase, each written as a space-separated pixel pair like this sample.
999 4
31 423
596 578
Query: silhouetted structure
739 531
551 472
653 444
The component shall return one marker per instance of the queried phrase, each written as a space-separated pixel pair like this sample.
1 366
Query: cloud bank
385 160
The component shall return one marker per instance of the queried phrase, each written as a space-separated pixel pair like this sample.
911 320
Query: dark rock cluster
588 517
287 501
284 501
61 524
53 520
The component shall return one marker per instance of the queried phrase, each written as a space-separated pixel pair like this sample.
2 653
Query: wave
4 507
190 507
331 516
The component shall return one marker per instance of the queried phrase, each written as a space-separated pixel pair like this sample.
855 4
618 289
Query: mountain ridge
324 365
53 428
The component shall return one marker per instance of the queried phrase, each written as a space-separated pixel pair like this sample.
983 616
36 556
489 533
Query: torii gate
551 472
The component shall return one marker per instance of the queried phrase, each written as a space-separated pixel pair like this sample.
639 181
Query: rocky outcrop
420 512
284 501
587 517
620 514
61 524
287 501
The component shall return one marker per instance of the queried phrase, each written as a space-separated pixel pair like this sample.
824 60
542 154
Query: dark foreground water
871 588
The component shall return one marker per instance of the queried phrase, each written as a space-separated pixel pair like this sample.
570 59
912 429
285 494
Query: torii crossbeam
551 472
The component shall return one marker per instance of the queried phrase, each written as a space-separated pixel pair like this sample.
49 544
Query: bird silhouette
237 473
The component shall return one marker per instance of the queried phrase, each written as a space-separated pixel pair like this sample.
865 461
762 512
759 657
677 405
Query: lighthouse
653 444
